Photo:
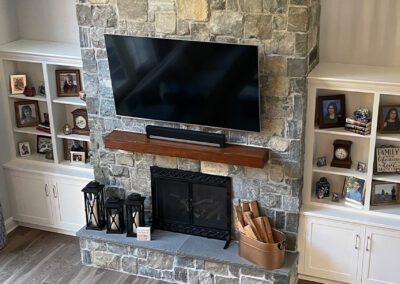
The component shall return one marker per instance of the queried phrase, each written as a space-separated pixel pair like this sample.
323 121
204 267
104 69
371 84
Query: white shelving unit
344 241
39 60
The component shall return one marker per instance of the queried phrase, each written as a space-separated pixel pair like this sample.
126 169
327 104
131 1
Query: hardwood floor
34 256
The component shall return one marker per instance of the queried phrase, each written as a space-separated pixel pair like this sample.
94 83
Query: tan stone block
166 162
276 173
214 168
166 22
278 144
99 1
197 10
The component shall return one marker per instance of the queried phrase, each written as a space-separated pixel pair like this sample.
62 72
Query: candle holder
94 205
134 213
115 215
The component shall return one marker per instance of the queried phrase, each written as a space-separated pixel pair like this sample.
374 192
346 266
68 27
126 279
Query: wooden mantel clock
81 125
341 154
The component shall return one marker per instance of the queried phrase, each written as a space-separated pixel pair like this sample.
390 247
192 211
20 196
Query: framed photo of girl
389 121
27 113
68 83
331 111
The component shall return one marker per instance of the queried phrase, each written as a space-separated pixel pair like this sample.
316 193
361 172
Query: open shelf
81 166
230 154
388 137
340 171
23 97
74 137
341 132
76 101
387 177
392 209
342 204
36 157
31 130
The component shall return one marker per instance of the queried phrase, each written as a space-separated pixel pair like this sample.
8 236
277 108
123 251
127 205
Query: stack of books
358 126
44 127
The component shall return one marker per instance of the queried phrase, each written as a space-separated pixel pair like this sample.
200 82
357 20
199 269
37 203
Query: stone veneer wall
286 32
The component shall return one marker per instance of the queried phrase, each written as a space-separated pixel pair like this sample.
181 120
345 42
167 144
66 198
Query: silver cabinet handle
368 248
357 246
46 190
54 191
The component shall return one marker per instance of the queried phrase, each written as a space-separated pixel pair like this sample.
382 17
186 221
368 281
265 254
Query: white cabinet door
31 197
332 249
68 203
381 256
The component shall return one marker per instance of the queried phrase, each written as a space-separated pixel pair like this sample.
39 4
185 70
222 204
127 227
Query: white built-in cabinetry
343 242
45 193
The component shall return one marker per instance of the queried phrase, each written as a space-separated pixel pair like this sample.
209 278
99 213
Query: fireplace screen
191 203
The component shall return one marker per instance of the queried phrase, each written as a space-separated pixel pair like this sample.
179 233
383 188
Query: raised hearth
230 154
176 257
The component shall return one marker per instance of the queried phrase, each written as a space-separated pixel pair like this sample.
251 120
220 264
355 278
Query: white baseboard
317 279
11 225
49 229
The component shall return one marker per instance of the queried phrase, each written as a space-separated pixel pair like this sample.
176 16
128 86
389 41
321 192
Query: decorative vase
67 130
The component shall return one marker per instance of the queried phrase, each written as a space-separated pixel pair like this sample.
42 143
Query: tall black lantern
94 205
115 215
134 213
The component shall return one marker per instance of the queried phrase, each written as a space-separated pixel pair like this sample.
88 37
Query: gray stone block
138 252
279 22
298 19
200 32
180 274
84 37
86 257
283 43
280 220
117 249
259 273
107 107
271 188
225 280
292 222
216 268
140 28
94 245
271 200
97 37
297 67
246 189
183 261
167 275
129 264
182 28
218 4
106 260
188 165
226 23
104 16
301 46
251 6
83 15
232 5
149 272
124 159
258 26
252 280
160 260
199 276
275 6
133 9
165 22
290 204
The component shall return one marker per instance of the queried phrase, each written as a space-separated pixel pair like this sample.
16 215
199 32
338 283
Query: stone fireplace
286 32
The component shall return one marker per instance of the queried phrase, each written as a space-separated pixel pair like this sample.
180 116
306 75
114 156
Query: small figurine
67 129
324 186
335 197
320 193
82 95
29 91
42 90
321 161
362 115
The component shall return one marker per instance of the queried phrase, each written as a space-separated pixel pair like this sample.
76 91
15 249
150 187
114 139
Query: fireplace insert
191 203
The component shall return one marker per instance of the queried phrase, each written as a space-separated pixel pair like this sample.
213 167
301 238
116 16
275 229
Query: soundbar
185 136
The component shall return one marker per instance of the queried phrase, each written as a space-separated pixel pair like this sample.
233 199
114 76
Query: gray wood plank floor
34 256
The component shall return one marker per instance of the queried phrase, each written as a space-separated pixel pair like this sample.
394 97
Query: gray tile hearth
178 258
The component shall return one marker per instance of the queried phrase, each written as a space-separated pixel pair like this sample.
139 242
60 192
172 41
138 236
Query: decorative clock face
341 153
80 122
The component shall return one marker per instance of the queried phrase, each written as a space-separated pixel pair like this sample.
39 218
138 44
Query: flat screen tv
202 83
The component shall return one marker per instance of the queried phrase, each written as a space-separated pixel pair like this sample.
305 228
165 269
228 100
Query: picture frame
321 161
389 120
67 145
387 159
17 84
383 193
361 167
27 113
68 83
24 149
331 111
354 190
44 144
78 157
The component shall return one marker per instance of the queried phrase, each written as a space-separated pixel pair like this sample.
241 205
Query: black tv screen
202 83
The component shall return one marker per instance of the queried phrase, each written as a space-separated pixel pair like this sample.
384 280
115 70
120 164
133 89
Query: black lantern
94 205
134 213
115 215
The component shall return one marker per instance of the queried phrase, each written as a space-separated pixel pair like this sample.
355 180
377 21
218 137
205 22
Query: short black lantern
94 205
115 215
134 213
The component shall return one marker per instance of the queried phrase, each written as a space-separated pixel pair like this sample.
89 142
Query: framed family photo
27 113
68 83
389 121
78 157
17 84
331 111
74 146
384 193
44 144
354 190
24 149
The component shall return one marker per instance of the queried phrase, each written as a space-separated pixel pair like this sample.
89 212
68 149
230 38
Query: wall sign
387 159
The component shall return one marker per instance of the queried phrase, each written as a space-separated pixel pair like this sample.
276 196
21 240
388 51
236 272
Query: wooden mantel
230 154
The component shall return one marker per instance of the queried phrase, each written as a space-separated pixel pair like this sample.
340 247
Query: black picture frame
327 103
43 144
385 126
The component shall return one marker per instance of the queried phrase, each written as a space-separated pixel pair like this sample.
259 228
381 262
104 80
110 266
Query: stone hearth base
179 258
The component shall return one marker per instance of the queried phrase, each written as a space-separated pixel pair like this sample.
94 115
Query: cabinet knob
46 190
